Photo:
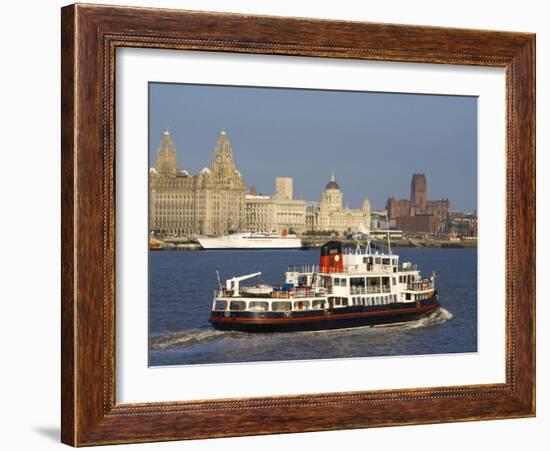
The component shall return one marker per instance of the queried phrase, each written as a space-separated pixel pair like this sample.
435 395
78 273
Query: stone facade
209 203
283 188
278 212
330 214
214 201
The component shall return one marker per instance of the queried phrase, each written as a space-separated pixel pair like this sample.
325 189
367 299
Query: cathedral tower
419 191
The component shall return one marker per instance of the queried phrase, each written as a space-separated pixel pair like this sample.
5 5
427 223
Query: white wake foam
438 316
185 338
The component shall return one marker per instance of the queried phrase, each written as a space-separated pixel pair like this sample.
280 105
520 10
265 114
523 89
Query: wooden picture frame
90 36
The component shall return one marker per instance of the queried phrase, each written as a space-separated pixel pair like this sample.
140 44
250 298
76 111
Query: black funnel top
331 248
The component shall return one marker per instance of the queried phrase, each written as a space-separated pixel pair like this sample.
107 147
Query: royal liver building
209 203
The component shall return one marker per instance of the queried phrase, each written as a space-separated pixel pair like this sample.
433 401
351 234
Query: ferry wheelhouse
349 287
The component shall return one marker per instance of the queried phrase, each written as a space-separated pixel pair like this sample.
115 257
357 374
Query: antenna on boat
388 232
367 247
219 280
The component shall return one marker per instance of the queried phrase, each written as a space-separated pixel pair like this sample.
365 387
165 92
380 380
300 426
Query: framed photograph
279 225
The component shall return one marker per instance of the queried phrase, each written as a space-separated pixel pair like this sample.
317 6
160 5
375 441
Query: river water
181 289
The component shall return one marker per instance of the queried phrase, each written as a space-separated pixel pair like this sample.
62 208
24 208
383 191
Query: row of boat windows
360 281
316 304
416 297
380 261
359 300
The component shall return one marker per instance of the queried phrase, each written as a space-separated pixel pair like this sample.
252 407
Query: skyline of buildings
216 201
417 214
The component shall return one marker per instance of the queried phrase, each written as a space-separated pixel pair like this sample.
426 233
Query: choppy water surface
182 286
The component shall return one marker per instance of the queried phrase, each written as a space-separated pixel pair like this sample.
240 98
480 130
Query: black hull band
326 321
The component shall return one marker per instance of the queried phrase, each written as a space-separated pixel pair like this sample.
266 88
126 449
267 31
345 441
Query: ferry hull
319 320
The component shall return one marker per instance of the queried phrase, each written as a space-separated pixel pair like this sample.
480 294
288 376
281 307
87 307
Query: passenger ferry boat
253 240
349 288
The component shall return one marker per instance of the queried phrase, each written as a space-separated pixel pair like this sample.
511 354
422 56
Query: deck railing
303 268
349 269
292 293
424 284
299 293
369 290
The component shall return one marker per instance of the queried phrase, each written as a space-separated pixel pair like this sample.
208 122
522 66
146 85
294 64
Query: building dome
205 171
332 184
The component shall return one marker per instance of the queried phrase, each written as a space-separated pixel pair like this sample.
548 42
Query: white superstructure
252 240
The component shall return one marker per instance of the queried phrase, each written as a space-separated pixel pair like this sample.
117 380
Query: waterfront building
400 211
378 220
462 224
209 203
420 223
382 234
278 212
311 217
214 201
331 215
283 188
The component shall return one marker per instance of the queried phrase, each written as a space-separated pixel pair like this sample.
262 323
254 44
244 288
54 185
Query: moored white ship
253 240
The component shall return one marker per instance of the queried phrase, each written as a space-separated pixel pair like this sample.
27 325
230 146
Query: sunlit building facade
210 203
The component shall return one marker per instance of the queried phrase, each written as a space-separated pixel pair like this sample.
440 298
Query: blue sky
373 142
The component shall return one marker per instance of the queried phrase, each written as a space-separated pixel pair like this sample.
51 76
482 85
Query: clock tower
210 203
223 166
224 191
